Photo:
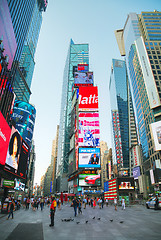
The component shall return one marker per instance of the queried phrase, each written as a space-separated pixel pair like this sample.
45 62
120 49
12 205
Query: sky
85 21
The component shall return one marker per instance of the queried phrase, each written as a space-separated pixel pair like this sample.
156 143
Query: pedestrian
106 202
11 209
102 203
42 203
48 202
156 202
80 206
52 211
85 202
28 202
59 204
123 203
75 205
115 203
94 203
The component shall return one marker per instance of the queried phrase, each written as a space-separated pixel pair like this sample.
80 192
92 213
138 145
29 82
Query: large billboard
89 180
83 67
126 183
24 115
136 172
89 129
156 134
5 133
7 33
149 80
17 155
88 99
110 189
89 158
83 78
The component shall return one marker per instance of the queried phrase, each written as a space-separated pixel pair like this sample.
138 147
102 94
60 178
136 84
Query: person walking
11 209
115 203
80 206
123 203
28 202
106 202
75 205
102 203
52 211
42 203
156 202
94 203
85 202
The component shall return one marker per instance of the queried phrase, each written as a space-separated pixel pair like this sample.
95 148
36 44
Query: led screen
126 183
88 99
156 133
89 129
89 158
136 172
7 33
17 155
83 67
19 186
5 133
24 116
89 180
81 78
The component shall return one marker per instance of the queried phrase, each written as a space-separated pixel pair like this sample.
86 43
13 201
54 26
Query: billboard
136 172
24 115
126 183
110 189
7 33
149 80
19 186
88 99
89 158
89 180
83 67
156 134
17 155
89 129
5 133
81 78
8 183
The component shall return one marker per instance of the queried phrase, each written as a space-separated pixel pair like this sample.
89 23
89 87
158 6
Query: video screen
89 158
83 78
89 180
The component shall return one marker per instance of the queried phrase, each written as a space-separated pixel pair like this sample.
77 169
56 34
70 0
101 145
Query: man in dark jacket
75 205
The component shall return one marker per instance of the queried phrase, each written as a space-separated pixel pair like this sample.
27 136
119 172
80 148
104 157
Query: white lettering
92 99
2 135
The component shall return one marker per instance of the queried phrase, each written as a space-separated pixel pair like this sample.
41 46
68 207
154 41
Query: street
135 222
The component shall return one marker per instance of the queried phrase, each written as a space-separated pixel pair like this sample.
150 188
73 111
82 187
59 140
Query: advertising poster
81 78
5 133
17 155
126 183
88 99
89 180
89 158
156 134
136 172
19 186
24 115
83 67
89 129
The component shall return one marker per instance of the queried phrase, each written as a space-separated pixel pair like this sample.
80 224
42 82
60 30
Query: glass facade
119 107
78 53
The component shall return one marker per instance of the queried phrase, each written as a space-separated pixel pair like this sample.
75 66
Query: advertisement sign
135 152
89 180
24 115
17 155
126 183
89 129
152 176
7 33
88 99
89 158
8 183
149 80
81 78
136 172
19 186
5 133
83 68
156 134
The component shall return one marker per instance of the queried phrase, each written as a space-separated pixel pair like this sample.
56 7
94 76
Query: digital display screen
89 158
89 180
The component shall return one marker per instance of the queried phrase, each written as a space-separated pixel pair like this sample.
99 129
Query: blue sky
85 21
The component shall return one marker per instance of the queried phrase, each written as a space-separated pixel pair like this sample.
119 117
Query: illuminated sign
17 155
83 68
126 183
5 133
81 78
88 99
156 134
89 180
89 158
136 172
89 129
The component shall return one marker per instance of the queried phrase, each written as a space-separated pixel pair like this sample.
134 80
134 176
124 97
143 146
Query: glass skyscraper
119 110
140 42
77 53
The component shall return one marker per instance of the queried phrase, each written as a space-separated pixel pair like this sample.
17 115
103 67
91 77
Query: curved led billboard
24 115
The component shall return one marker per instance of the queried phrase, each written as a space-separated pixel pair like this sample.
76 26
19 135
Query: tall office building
78 53
118 88
140 41
26 19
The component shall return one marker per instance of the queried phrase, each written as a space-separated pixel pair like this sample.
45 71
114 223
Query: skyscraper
140 41
78 53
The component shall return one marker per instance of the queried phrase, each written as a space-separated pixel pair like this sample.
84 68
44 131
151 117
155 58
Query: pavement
133 223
